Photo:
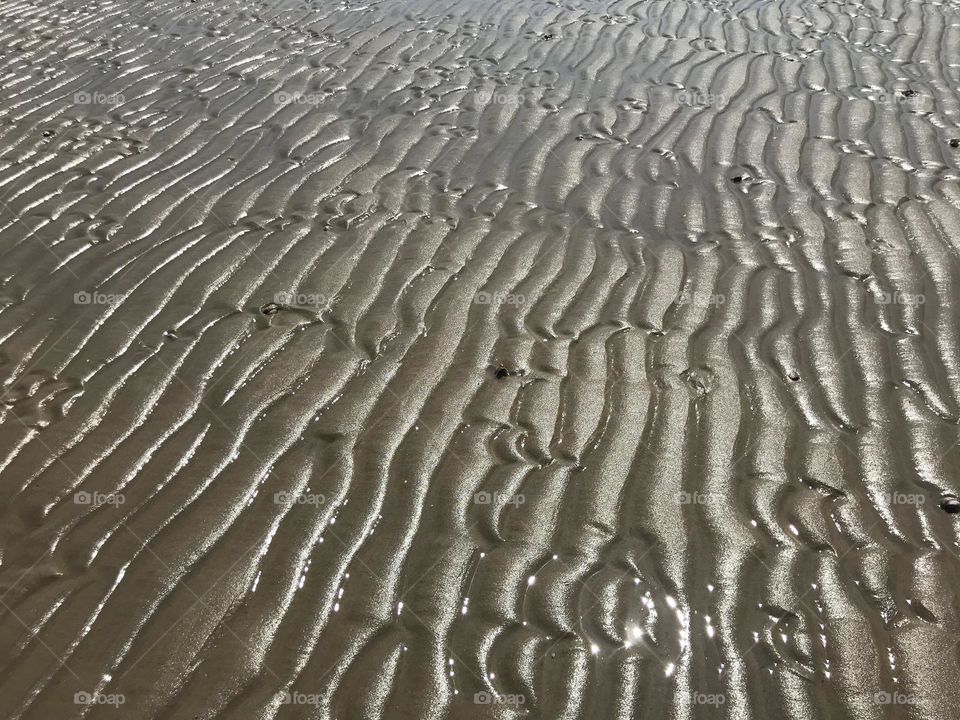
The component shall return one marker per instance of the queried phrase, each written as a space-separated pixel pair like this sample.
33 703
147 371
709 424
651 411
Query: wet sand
513 359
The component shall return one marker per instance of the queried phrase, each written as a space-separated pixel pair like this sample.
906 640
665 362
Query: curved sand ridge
598 358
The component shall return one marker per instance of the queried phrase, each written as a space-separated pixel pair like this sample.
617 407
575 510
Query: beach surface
435 359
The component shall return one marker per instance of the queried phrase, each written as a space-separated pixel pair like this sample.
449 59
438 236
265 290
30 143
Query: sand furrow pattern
433 359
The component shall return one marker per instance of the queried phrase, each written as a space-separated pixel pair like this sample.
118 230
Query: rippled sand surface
477 359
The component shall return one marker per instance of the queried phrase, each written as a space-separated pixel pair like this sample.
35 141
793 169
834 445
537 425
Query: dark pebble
909 93
502 373
955 142
950 504
270 309
738 179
